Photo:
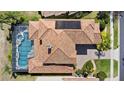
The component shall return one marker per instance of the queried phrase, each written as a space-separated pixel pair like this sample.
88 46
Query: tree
104 18
103 15
102 25
101 75
105 44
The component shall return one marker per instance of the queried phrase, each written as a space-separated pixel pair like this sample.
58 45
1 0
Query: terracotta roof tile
52 69
59 57
62 42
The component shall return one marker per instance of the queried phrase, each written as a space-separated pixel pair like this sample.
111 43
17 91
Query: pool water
24 48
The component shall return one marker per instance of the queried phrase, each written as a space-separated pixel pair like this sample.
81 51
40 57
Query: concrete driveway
91 54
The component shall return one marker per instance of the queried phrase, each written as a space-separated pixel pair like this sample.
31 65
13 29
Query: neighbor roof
56 13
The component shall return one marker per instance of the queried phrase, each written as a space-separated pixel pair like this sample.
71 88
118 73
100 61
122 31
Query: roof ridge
55 51
33 23
47 32
34 33
68 36
86 34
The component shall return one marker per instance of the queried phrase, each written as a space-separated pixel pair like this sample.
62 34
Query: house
55 43
56 13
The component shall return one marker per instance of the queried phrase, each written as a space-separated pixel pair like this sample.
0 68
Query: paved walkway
94 65
52 78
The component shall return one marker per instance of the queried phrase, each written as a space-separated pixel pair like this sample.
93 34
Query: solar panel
67 25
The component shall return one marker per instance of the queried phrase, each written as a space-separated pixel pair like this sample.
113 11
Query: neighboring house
55 43
56 13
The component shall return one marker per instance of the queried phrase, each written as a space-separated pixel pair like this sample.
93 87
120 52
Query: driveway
91 54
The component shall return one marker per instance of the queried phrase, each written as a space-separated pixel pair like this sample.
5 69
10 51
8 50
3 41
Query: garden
99 68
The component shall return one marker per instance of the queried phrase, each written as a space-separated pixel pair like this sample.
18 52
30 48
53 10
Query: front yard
99 68
115 32
104 65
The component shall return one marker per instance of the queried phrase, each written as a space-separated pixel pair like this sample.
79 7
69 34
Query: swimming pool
23 50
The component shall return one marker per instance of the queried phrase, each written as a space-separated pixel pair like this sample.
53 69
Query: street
122 47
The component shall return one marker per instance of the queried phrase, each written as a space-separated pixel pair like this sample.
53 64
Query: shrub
87 68
79 72
105 44
101 75
102 25
85 74
103 15
34 18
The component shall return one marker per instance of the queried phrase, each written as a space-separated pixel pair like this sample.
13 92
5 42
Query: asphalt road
122 47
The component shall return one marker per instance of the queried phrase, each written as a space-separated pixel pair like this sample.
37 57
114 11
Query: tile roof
59 57
37 67
56 13
60 41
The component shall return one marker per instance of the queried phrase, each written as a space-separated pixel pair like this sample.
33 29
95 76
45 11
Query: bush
101 75
105 44
87 67
103 15
104 18
102 25
79 72
85 74
34 18
107 20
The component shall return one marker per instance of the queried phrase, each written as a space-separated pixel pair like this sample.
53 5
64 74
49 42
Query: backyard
6 43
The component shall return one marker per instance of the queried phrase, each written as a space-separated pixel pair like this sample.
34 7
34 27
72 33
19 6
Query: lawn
24 77
103 65
115 68
115 32
92 15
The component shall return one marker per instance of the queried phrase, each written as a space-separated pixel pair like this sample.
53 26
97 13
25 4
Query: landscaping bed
101 70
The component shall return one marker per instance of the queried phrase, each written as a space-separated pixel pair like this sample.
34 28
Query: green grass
115 68
10 55
103 65
92 15
115 32
25 78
